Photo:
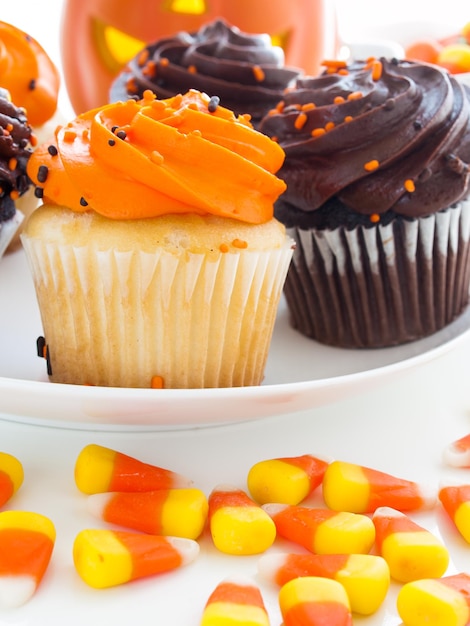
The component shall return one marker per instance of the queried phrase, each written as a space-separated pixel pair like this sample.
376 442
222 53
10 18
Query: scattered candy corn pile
452 53
344 554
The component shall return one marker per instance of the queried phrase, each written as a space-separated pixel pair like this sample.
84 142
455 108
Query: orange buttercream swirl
28 73
139 159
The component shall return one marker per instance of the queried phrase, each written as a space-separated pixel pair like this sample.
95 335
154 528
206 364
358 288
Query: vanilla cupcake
156 257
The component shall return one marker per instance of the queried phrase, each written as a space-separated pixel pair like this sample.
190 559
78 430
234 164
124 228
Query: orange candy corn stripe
176 512
456 502
26 543
106 558
99 469
235 602
359 489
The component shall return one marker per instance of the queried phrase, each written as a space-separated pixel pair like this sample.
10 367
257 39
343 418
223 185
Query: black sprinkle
417 125
40 345
114 128
52 150
395 61
39 192
389 104
43 171
213 104
111 142
32 84
83 202
121 134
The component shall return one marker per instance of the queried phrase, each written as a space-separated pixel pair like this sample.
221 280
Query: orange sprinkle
14 195
339 100
272 112
239 243
192 69
9 127
409 185
329 126
343 72
275 139
308 107
280 106
70 136
258 73
355 95
370 166
316 132
12 163
348 118
300 121
376 70
150 69
131 85
223 247
164 62
5 131
374 218
33 140
157 382
143 58
336 63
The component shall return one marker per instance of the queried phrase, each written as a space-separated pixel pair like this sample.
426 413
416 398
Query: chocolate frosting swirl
15 137
380 138
245 71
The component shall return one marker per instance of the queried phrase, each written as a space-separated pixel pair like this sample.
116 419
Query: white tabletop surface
401 427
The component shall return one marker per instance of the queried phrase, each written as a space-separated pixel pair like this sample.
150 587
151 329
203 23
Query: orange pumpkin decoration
100 36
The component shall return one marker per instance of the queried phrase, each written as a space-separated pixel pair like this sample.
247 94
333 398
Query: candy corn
323 531
285 480
237 524
99 469
365 577
457 453
456 502
26 543
435 601
314 601
412 552
11 476
359 489
105 558
235 602
176 512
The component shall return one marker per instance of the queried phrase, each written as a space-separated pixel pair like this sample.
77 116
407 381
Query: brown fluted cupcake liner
383 285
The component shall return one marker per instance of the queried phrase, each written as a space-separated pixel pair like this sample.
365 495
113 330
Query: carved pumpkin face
100 36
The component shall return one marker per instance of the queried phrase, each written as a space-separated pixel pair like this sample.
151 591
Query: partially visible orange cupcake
156 257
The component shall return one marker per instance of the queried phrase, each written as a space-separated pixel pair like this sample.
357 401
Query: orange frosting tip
28 74
185 154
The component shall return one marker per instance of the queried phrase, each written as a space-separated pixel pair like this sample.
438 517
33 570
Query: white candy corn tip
273 508
96 503
16 590
269 564
428 494
188 549
387 511
456 456
225 488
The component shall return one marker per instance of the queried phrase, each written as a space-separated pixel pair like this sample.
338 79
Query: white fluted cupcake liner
122 318
382 285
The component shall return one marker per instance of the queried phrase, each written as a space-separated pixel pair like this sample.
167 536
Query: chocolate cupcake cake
15 150
378 181
245 71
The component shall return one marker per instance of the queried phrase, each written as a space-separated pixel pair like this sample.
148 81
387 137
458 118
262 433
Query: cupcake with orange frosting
156 258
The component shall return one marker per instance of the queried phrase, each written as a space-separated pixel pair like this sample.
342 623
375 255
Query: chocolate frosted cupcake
377 173
15 150
245 71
